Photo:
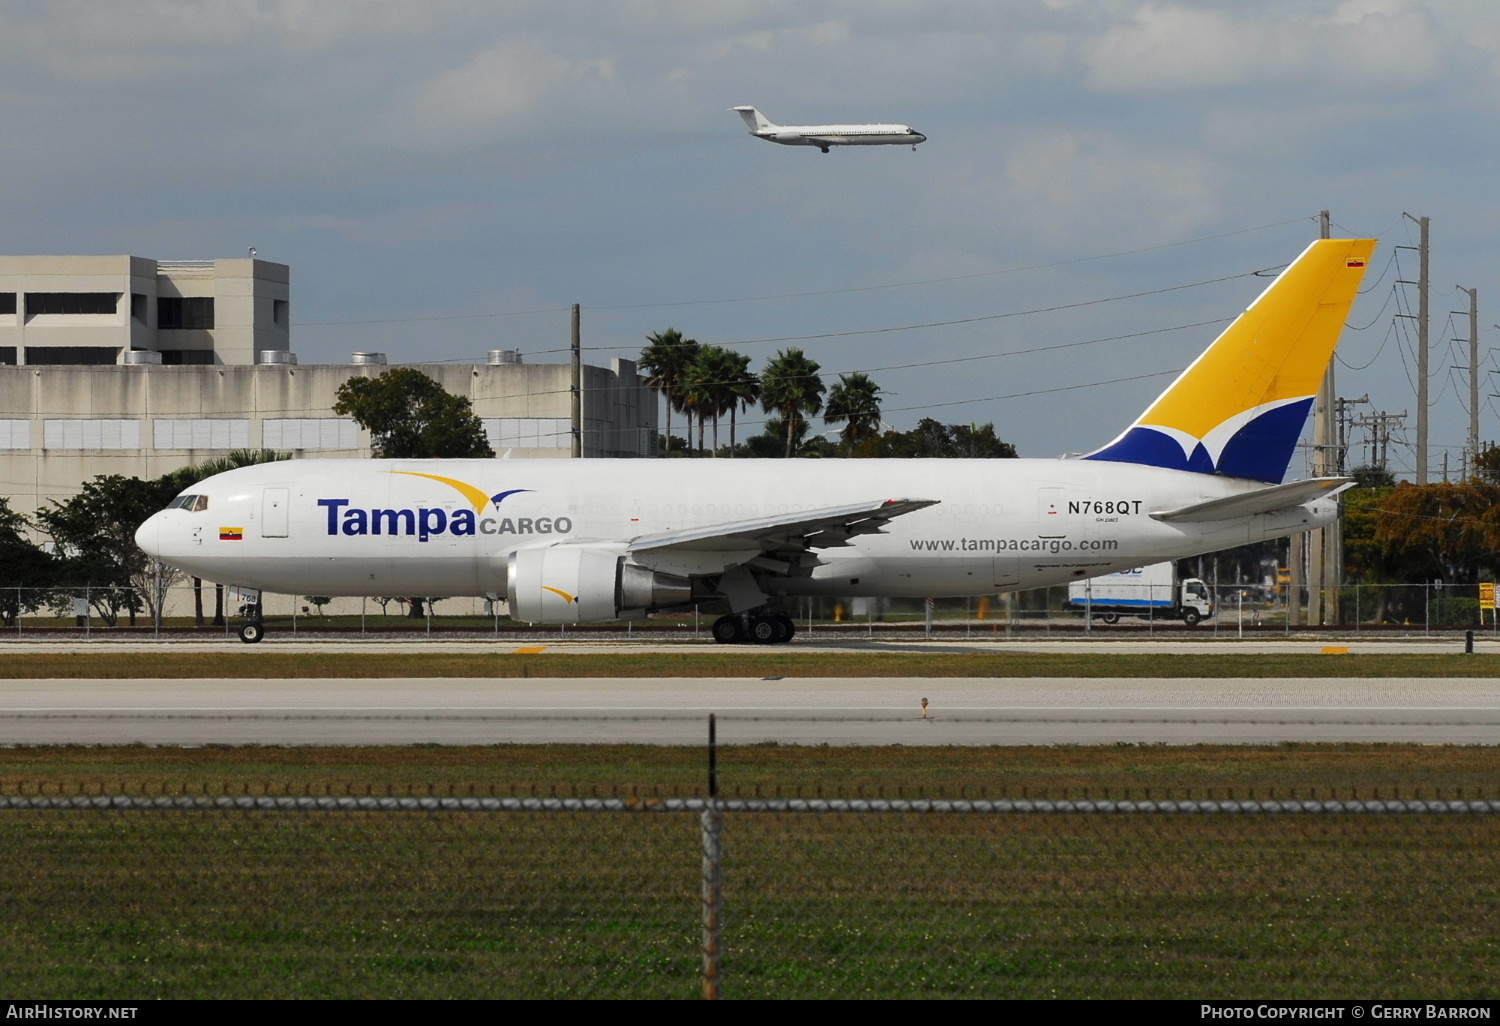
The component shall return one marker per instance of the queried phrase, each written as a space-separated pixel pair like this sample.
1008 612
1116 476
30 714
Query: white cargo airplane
570 541
824 136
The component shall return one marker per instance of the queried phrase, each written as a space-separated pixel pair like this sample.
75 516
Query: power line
960 320
816 292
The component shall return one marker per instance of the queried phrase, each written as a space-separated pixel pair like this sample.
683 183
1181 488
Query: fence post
713 897
712 822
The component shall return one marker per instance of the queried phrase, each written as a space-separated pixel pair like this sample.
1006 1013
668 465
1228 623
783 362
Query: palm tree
665 357
744 389
791 387
717 372
854 402
695 393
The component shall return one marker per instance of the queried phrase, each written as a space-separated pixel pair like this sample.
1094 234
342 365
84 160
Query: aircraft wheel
789 625
1110 618
726 630
823 148
1191 618
763 630
252 632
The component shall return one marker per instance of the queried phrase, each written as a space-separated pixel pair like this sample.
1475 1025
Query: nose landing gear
253 629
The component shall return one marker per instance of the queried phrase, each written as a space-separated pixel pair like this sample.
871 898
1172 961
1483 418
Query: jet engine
573 584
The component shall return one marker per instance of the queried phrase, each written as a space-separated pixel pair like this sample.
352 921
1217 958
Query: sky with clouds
1102 179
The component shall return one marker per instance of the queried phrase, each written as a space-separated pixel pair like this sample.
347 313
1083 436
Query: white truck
1153 592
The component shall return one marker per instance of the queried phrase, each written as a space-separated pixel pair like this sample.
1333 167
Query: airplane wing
1262 500
782 537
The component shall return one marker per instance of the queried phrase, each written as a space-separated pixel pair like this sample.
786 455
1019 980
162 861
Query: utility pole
1380 425
1322 587
1422 282
1343 418
577 388
1473 370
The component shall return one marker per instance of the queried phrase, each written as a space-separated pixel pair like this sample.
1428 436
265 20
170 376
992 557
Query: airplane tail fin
754 119
1239 409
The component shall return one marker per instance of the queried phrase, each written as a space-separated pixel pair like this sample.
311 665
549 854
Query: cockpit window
191 503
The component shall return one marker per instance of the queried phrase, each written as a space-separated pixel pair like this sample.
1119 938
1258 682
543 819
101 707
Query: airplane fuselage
376 527
824 136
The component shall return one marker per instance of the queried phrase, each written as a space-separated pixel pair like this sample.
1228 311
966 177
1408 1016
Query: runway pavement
801 711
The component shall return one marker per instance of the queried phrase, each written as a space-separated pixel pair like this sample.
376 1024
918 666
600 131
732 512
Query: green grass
715 662
130 904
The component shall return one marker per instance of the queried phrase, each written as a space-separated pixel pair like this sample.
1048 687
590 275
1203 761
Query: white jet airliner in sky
824 136
570 541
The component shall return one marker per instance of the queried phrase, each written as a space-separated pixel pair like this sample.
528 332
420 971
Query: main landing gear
253 629
759 629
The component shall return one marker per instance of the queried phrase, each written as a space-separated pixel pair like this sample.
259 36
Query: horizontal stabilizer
1262 500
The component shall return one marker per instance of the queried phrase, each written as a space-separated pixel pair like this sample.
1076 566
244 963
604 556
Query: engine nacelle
574 584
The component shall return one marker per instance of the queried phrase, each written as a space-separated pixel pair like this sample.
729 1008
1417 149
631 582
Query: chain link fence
212 894
185 611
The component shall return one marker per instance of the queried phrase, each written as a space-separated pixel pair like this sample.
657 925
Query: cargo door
273 512
1050 520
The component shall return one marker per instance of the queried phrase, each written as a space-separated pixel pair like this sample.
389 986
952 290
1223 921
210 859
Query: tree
933 440
855 403
666 356
695 395
28 573
745 389
1449 531
1367 476
95 534
715 383
411 416
790 386
1487 463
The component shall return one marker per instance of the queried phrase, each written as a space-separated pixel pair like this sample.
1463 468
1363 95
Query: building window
203 433
8 356
280 312
189 312
91 434
15 434
187 357
72 356
138 307
7 302
310 433
529 432
38 303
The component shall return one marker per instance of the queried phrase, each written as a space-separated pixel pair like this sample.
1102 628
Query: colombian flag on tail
1239 409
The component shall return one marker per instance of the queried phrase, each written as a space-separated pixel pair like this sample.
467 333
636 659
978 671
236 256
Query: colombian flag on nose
231 534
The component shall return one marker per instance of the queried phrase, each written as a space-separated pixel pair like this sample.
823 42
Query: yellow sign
1486 594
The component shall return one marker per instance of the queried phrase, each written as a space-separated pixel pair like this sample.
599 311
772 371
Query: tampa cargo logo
425 523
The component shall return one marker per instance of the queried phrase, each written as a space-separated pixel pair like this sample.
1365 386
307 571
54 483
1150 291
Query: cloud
1360 43
499 91
1069 187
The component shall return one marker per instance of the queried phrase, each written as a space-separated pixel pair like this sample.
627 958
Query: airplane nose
919 137
148 536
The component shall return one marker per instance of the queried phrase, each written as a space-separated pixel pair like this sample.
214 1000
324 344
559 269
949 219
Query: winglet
1239 409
